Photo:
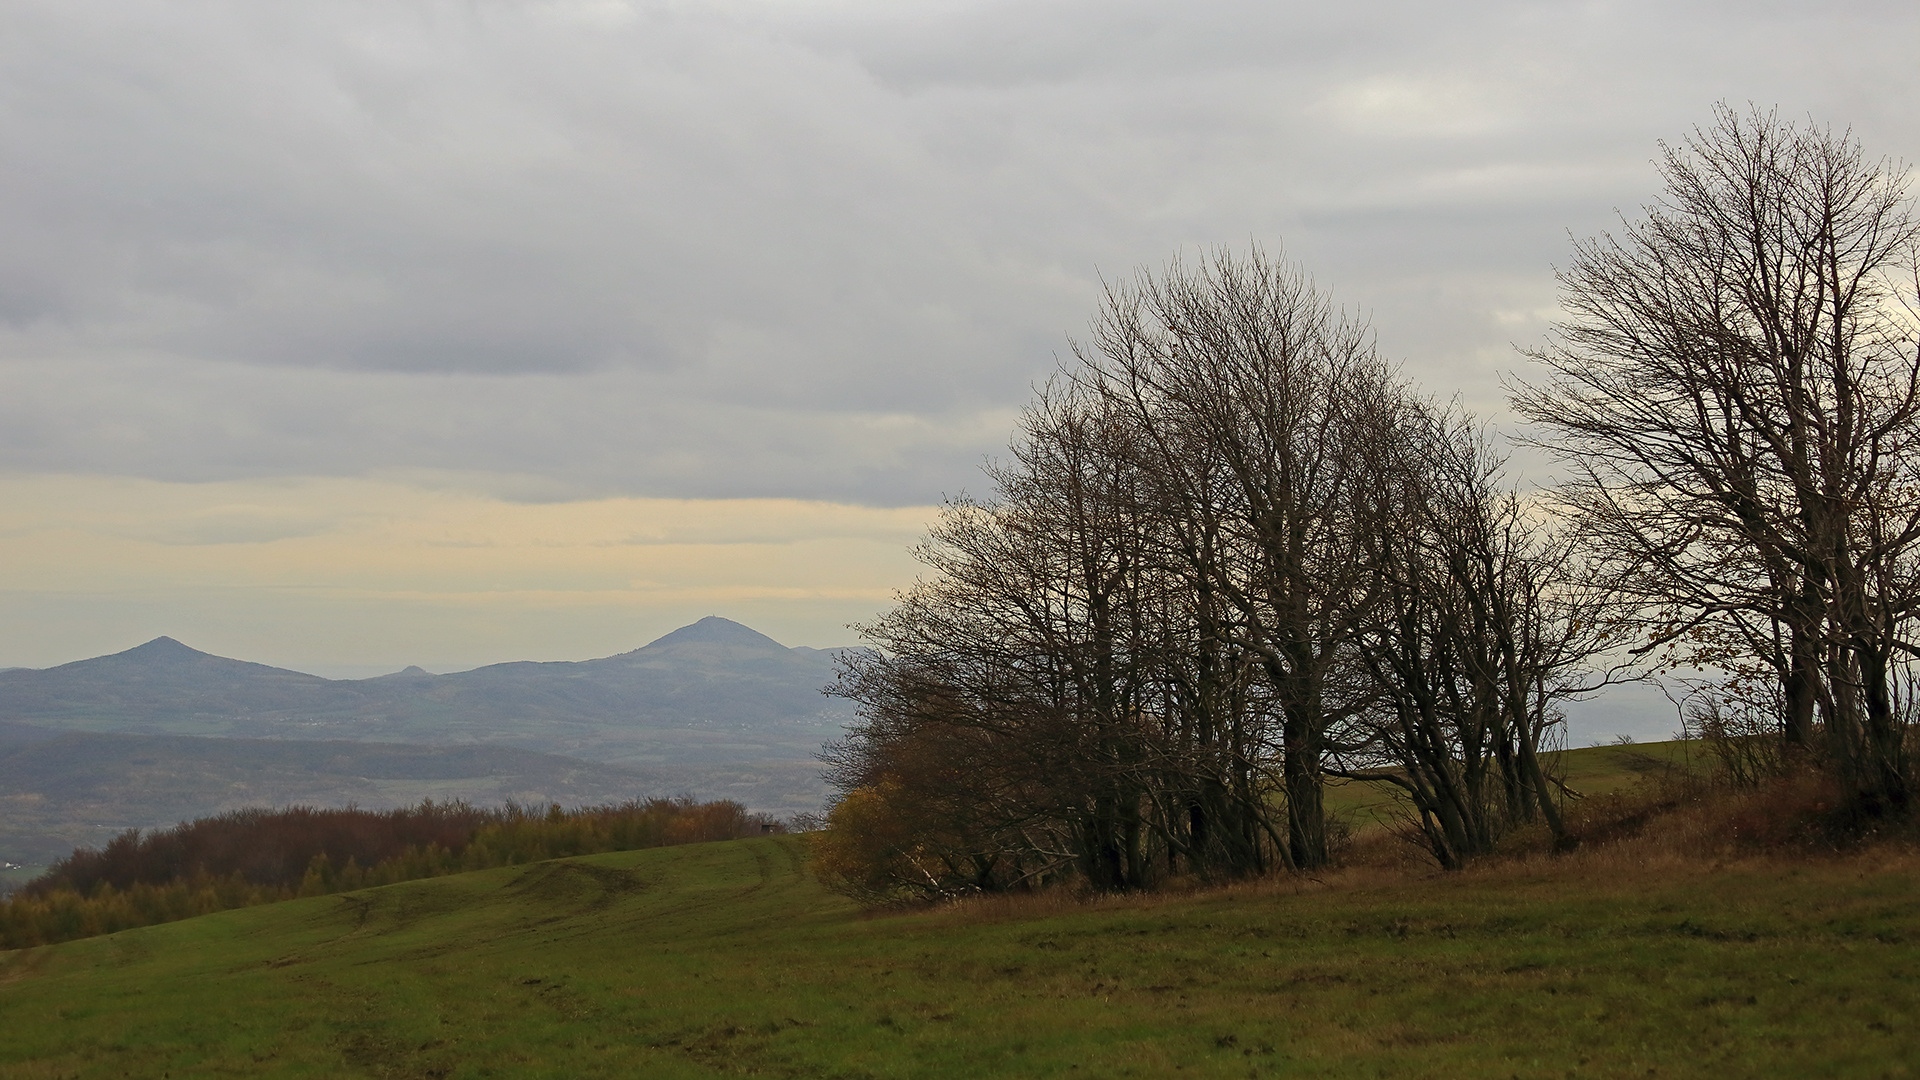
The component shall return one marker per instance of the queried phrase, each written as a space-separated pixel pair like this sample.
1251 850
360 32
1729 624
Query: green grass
729 958
1590 770
1597 770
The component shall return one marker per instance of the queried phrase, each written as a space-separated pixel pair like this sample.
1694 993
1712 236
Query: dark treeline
256 856
270 848
1234 556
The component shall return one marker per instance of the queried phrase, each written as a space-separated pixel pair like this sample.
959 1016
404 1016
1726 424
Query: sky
345 336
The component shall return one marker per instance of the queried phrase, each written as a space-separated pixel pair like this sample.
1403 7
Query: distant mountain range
710 693
163 731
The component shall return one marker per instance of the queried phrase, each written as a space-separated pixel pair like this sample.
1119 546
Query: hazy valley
164 732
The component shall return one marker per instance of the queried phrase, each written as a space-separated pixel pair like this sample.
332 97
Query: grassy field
1589 770
729 958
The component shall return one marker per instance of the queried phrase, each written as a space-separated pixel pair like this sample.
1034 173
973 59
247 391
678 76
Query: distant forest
1236 555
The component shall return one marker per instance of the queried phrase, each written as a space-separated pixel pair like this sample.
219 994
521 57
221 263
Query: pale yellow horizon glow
354 576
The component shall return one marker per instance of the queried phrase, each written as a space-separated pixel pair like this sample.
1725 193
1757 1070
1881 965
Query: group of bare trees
1233 555
1230 556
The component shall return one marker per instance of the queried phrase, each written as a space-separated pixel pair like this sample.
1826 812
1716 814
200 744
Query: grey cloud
1013 43
808 249
532 437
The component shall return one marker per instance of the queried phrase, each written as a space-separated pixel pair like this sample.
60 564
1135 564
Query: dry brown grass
1672 822
1691 821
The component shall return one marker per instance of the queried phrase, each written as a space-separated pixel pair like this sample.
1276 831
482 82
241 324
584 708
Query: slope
728 958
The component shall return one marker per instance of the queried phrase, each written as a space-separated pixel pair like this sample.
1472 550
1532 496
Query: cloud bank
784 249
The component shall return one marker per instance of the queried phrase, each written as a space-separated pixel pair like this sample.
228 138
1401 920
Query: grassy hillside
728 958
1588 770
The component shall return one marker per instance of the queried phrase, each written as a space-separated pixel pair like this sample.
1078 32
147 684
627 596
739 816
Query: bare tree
1738 392
1245 385
1034 648
1058 693
1483 623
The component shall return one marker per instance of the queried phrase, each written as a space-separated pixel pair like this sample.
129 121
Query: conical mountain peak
714 630
163 646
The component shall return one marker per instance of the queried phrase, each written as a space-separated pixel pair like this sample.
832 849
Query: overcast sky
683 308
